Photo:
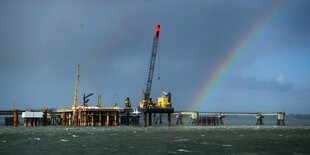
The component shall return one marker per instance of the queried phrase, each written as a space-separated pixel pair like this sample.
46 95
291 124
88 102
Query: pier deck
94 116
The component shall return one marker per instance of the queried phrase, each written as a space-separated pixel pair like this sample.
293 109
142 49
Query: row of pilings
90 118
72 118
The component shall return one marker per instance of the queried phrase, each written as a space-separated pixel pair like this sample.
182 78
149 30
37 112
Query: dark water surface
156 140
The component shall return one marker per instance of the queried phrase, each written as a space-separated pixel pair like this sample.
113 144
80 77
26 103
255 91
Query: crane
148 84
76 87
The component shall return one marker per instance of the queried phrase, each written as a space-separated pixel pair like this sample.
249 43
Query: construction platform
156 110
90 116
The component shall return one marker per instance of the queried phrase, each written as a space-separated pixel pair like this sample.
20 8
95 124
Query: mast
76 86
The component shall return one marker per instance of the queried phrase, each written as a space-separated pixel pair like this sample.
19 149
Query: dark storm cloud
41 42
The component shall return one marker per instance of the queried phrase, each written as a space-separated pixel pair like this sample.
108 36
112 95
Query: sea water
186 139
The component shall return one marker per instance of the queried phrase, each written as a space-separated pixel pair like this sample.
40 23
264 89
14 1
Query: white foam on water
4 141
134 131
227 145
183 150
64 140
202 135
75 136
67 129
181 140
37 138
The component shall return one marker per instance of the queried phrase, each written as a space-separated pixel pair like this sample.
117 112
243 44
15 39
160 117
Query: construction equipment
85 99
147 100
76 87
164 101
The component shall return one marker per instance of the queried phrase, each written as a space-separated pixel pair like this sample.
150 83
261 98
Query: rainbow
232 56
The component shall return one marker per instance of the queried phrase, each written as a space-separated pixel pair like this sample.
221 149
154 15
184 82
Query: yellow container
162 102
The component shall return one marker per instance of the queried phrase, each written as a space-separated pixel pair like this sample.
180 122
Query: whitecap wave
227 145
183 150
64 140
181 140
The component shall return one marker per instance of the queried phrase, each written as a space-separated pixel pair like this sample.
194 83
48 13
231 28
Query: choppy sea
237 136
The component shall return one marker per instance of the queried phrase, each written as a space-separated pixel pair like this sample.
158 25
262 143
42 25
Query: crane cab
164 101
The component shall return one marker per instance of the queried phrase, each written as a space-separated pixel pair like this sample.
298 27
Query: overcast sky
43 41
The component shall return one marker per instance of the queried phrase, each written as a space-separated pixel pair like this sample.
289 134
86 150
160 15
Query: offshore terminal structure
84 115
97 116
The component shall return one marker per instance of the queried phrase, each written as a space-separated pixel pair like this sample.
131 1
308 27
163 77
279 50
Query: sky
214 55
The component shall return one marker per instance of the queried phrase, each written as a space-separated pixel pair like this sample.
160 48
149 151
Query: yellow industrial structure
163 102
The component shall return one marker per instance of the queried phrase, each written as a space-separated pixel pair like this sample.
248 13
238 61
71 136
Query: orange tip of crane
156 33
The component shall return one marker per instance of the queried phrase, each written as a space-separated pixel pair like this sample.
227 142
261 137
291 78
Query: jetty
115 116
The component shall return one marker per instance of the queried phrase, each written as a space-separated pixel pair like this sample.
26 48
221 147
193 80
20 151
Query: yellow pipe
99 101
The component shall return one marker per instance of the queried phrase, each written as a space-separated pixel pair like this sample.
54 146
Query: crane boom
76 86
148 85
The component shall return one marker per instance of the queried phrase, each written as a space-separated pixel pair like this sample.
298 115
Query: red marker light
156 33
